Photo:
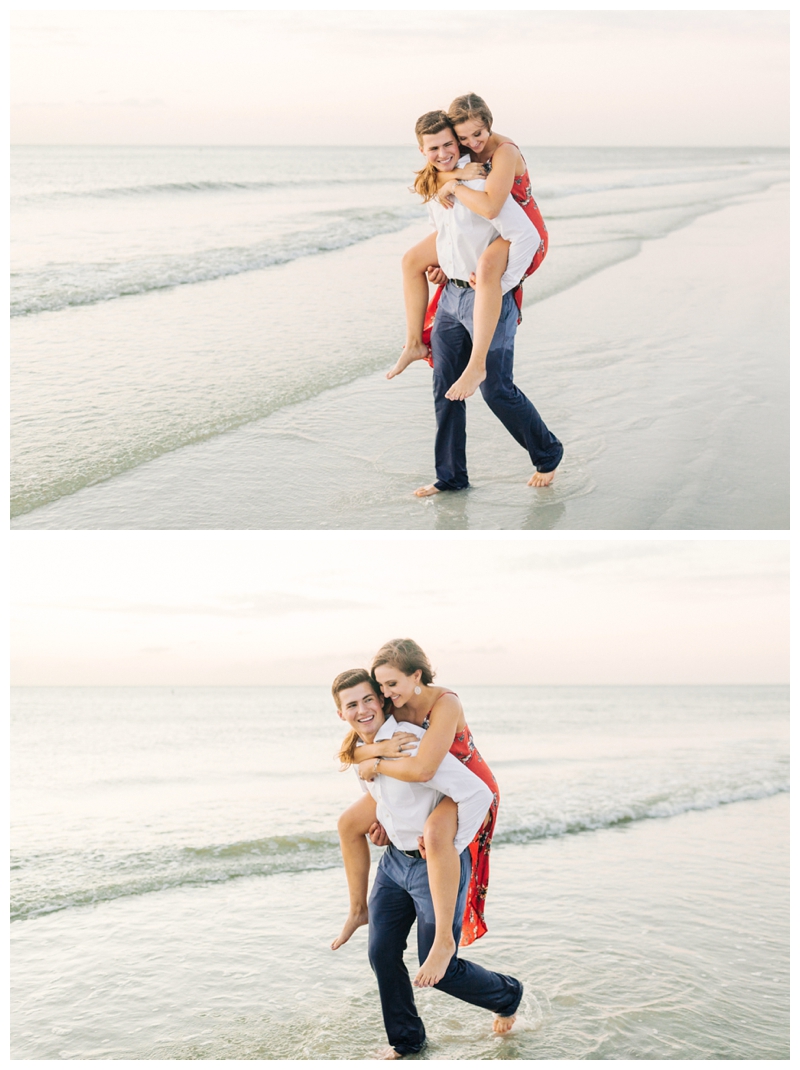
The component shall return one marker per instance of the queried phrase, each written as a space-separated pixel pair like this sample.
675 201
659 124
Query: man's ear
341 715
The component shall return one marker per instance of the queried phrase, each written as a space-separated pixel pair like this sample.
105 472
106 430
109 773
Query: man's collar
387 729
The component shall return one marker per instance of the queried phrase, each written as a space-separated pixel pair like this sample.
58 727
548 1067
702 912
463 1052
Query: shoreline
650 976
666 358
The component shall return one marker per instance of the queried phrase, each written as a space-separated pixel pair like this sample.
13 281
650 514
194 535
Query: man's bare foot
466 385
388 1053
426 492
408 356
435 965
354 920
541 479
502 1025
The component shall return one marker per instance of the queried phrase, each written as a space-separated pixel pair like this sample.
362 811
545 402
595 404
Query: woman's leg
415 293
486 313
354 824
444 874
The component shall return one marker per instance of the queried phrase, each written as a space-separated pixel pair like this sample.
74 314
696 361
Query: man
462 236
401 894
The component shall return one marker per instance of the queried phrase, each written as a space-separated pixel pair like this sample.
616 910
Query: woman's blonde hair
426 184
351 678
405 655
470 106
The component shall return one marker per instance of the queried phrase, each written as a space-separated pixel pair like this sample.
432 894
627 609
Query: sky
363 77
260 609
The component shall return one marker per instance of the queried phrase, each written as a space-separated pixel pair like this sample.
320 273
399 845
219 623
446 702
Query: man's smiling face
442 149
362 709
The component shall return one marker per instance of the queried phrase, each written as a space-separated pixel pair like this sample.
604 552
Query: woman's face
473 135
362 709
395 684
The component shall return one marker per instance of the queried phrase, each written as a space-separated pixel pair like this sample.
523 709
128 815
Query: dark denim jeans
400 896
451 344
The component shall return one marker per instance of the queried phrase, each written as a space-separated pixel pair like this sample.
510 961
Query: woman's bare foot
354 920
409 354
435 965
541 479
502 1025
426 492
466 385
388 1053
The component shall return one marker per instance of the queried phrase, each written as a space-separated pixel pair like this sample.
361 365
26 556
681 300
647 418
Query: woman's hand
399 745
436 276
471 171
446 194
368 770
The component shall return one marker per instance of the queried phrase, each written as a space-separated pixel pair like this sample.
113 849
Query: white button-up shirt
403 806
462 235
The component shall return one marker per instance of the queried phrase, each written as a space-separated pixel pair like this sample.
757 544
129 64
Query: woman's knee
442 825
492 264
353 823
416 259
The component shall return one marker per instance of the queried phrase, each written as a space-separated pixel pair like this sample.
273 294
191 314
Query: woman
499 158
404 674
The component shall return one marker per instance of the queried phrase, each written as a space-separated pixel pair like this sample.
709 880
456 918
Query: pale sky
363 77
253 609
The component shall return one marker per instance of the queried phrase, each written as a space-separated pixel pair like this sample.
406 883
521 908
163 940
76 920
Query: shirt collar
387 729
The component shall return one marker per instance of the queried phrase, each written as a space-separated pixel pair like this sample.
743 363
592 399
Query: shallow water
165 297
175 897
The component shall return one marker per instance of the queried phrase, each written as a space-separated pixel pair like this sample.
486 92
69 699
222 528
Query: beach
176 882
654 342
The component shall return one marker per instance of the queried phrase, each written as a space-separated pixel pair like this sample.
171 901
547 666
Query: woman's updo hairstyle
405 655
426 184
470 106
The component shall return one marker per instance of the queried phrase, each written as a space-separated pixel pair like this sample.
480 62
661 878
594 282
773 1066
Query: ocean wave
201 186
144 872
64 286
659 805
42 884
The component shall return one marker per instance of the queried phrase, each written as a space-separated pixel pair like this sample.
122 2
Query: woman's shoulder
446 699
509 151
445 691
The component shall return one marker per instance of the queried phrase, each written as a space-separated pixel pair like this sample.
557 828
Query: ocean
176 880
198 332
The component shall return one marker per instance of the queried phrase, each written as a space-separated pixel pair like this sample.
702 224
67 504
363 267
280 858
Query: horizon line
773 683
307 145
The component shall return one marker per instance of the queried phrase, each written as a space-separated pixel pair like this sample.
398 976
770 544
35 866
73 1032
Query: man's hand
377 834
436 275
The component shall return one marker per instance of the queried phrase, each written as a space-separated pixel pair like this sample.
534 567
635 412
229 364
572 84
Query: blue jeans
400 896
451 345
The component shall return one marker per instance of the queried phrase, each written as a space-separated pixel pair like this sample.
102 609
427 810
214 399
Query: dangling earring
417 690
